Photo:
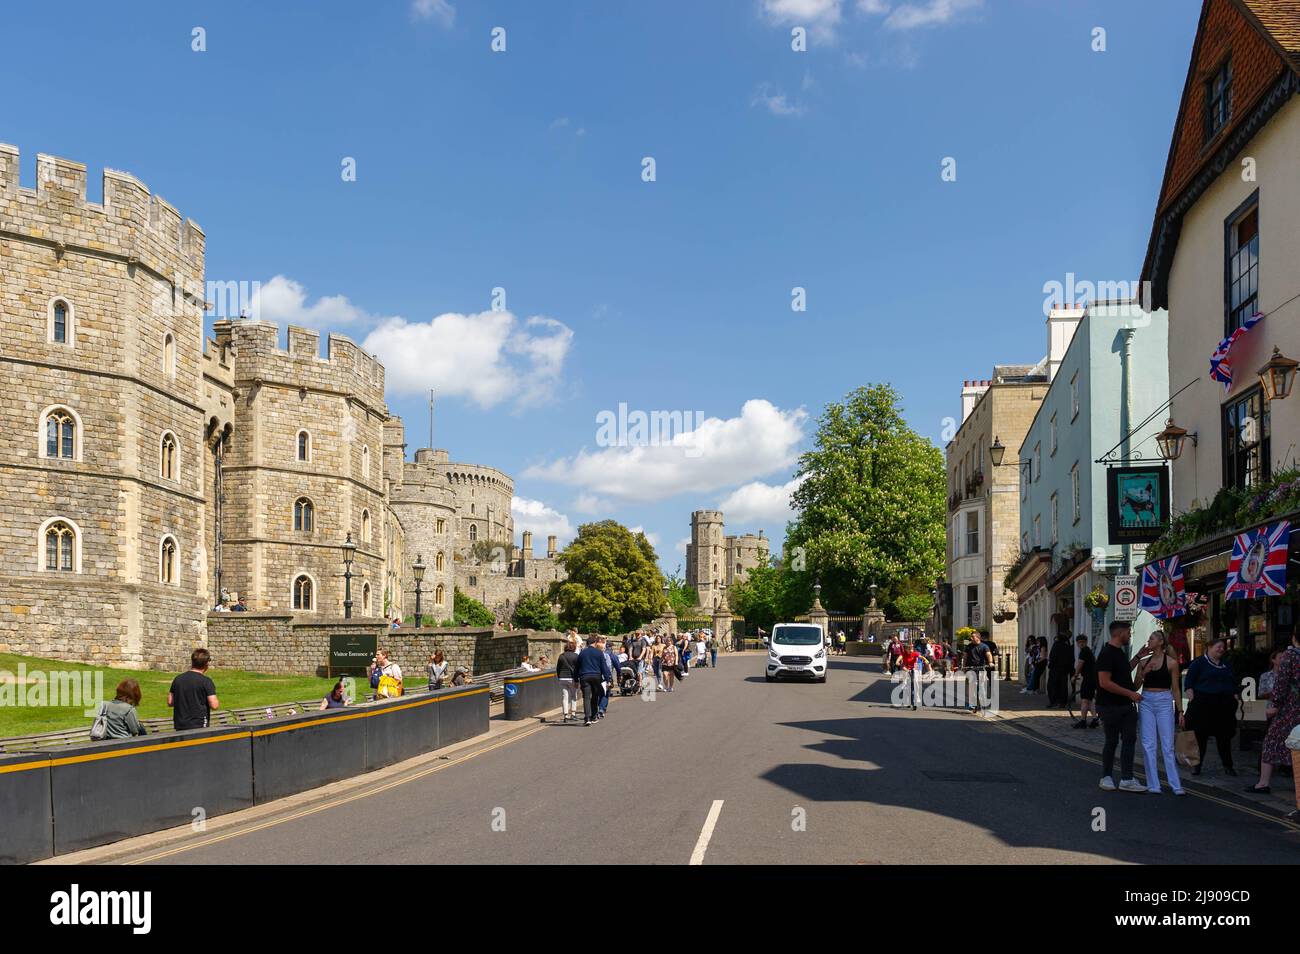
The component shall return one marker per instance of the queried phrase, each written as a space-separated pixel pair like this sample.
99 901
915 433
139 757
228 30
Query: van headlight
772 654
821 653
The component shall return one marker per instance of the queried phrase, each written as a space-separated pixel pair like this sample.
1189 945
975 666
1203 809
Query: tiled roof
1281 19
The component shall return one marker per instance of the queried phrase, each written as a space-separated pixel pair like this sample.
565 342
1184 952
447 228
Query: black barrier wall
531 695
26 814
101 792
105 791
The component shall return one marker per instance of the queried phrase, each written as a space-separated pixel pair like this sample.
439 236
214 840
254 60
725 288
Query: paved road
874 784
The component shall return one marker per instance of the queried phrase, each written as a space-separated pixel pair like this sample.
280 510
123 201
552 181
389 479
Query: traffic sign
1126 597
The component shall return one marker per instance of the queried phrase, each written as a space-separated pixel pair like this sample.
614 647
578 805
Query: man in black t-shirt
193 695
1115 698
979 660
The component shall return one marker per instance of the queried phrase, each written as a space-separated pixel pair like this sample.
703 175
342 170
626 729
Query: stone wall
285 643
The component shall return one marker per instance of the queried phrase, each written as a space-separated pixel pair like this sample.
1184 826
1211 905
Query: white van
796 649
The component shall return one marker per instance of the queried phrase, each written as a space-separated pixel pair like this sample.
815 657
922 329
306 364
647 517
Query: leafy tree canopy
533 611
614 584
771 594
871 507
470 612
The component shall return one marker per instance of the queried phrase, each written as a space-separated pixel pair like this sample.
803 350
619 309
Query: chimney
551 548
528 544
970 393
1061 325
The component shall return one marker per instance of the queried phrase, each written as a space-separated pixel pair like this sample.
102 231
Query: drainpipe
1126 414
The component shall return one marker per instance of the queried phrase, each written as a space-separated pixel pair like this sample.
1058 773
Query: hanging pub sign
1258 565
1162 588
1137 503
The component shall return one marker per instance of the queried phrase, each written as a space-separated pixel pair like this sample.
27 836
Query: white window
473 531
1074 396
167 560
61 325
1038 530
1055 527
972 532
1074 491
167 468
304 446
1052 431
1038 460
304 593
60 434
304 515
59 546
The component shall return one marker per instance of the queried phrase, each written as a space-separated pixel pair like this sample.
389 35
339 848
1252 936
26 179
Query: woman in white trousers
1160 710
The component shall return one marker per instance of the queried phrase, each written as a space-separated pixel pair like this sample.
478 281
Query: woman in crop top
1160 708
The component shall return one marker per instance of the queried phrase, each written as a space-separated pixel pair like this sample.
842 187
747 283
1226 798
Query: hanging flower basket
1097 598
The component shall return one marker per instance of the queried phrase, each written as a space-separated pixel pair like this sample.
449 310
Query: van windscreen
798 635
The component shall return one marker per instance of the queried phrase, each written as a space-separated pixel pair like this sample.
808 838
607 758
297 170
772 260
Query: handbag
1186 751
99 728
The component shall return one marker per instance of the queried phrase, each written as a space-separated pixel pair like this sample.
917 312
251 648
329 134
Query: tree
533 611
470 612
681 598
613 585
770 594
871 507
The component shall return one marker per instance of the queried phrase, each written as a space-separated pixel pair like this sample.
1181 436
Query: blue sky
523 170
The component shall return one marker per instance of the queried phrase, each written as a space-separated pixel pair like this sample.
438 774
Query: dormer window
1218 100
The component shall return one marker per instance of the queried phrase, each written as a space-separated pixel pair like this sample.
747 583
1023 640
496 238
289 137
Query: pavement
1030 713
730 769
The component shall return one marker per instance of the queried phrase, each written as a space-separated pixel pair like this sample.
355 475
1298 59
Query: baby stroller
628 683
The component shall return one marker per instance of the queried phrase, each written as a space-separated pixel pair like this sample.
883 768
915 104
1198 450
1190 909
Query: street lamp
997 451
1170 441
418 569
349 554
1277 376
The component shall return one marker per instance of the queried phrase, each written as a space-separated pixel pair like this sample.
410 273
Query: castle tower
551 548
106 542
706 557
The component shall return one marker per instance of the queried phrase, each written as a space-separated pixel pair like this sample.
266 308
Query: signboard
1137 502
351 653
1126 597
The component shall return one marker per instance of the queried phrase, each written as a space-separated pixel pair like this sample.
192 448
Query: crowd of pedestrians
923 656
590 671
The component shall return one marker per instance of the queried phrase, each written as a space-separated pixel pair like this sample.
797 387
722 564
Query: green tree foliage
533 611
613 584
681 598
872 504
470 612
771 594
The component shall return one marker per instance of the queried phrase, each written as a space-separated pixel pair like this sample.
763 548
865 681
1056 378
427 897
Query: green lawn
236 689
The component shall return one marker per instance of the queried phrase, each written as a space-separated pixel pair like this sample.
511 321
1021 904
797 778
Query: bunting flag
1258 566
1220 366
1162 589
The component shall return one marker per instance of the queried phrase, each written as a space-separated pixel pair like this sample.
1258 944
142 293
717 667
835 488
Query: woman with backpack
437 670
118 719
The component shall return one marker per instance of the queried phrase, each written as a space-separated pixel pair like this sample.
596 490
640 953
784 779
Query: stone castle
714 560
153 473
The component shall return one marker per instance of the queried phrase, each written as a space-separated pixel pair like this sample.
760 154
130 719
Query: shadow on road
1022 794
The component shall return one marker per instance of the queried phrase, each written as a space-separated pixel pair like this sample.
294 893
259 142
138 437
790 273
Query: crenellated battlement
130 220
258 356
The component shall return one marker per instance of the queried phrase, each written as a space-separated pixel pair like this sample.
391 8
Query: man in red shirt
914 664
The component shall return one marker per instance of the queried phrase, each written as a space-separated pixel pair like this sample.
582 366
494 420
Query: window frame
1217 119
175 474
169 575
1230 224
42 535
69 322
304 515
42 432
1262 448
294 593
303 450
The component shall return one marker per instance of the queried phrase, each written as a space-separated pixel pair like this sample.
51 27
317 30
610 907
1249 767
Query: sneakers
1179 791
1107 784
1131 785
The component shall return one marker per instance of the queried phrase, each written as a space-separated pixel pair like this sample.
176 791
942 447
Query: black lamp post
1170 441
997 451
349 554
418 569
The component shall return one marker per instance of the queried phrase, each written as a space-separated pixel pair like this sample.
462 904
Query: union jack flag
1258 565
1162 589
1220 366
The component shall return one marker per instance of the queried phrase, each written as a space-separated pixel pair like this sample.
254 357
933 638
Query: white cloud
284 301
680 545
820 17
760 504
911 16
776 103
874 7
718 453
486 357
439 11
542 521
590 504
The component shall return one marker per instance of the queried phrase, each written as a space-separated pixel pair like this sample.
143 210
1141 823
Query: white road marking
702 845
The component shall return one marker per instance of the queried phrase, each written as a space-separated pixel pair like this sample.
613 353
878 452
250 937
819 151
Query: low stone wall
283 642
